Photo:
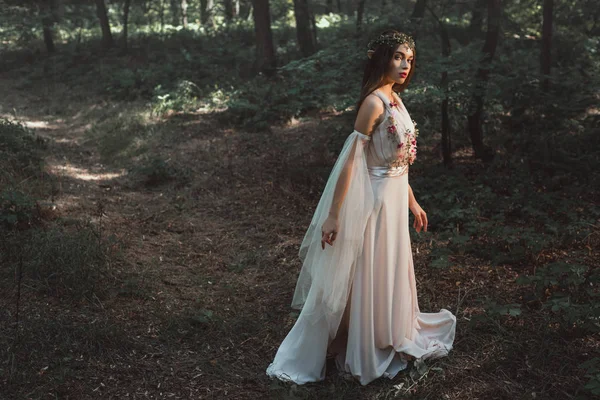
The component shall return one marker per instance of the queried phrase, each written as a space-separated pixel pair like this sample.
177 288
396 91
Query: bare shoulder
369 115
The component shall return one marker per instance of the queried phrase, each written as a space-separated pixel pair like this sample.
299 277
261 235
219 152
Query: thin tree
546 54
175 21
265 51
304 33
161 15
360 12
206 9
228 9
328 6
445 126
476 24
417 17
107 39
126 6
477 98
184 15
48 21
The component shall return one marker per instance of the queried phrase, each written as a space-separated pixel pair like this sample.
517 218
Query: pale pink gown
367 284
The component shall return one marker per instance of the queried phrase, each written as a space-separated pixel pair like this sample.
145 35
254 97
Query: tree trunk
228 9
419 10
476 23
175 20
184 15
328 6
304 33
313 25
265 51
162 16
546 55
107 39
126 7
360 12
446 134
206 8
478 96
48 20
417 16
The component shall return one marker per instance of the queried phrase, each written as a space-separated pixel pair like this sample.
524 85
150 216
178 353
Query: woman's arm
411 198
367 119
420 215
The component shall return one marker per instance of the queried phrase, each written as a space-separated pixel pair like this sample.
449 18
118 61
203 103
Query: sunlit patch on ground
83 173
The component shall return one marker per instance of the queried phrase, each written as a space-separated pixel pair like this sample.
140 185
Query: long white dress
359 295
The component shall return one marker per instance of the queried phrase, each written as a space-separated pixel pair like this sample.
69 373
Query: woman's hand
329 231
420 217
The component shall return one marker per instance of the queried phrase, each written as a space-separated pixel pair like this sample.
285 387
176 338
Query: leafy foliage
20 149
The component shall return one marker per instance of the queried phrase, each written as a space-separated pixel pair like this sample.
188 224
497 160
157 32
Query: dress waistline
385 172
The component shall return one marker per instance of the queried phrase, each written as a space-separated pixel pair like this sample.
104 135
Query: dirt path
193 292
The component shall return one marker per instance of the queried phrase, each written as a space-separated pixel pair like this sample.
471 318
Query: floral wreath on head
391 41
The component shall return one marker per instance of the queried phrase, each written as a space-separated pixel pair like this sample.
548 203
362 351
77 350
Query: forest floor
199 293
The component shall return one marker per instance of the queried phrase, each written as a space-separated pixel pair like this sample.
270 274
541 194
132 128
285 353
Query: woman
357 285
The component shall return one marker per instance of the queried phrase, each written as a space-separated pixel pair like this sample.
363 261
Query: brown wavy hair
378 65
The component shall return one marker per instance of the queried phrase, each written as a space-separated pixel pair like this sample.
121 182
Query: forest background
160 161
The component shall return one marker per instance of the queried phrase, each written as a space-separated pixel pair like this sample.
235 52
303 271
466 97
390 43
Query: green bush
20 150
183 98
16 209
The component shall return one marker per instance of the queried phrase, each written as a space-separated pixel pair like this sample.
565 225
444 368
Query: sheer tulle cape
324 282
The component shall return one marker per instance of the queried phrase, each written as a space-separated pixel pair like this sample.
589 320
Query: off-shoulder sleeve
324 282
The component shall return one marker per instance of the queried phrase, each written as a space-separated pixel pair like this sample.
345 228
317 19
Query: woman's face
400 64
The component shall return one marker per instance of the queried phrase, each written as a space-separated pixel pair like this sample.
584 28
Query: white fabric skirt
382 322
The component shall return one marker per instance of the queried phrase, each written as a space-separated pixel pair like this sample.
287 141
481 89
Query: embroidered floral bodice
394 141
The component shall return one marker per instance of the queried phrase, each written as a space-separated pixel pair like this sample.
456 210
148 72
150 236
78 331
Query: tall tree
546 54
360 12
328 6
478 96
417 17
228 9
48 21
184 15
126 6
206 10
175 21
304 33
476 24
265 51
107 39
161 14
446 135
